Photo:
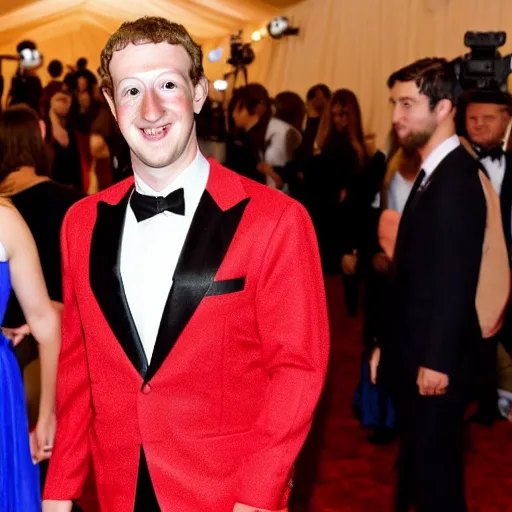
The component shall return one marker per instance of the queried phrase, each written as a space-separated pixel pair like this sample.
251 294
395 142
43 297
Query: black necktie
415 189
145 207
494 153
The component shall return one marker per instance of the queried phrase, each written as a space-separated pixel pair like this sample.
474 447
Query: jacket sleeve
294 333
455 255
70 458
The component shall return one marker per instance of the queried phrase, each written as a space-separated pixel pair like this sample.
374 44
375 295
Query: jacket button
146 389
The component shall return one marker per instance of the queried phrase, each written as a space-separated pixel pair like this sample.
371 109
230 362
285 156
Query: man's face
81 84
154 101
319 101
413 121
486 123
61 103
241 116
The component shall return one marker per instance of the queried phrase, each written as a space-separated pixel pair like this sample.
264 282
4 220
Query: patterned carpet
355 476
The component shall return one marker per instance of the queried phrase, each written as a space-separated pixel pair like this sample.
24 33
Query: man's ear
42 127
445 109
106 92
200 94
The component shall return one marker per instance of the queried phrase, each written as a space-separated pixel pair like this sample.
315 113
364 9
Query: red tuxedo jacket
225 404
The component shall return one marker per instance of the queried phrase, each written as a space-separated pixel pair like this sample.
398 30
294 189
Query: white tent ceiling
68 29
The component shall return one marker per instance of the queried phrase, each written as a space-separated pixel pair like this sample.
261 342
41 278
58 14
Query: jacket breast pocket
226 286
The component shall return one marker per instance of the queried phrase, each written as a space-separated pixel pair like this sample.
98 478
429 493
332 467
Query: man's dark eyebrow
406 98
401 99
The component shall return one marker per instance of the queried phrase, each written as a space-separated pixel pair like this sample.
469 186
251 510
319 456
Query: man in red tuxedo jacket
195 332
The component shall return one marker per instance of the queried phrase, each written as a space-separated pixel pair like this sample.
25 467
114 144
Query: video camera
483 68
242 55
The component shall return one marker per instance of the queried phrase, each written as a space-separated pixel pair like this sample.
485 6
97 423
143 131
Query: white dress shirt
150 250
437 155
278 150
496 171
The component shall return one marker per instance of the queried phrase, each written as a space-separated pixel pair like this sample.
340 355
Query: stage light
256 35
220 85
215 55
280 27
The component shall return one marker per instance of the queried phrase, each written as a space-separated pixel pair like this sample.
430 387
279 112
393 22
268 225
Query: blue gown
19 477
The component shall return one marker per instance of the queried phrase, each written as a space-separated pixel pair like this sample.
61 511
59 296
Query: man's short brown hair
150 29
435 78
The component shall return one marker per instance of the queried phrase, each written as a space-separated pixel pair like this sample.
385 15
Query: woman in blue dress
19 455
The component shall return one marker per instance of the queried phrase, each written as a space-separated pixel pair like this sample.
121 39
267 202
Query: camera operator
487 116
26 86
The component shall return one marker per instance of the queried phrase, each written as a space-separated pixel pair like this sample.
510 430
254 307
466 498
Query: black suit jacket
431 319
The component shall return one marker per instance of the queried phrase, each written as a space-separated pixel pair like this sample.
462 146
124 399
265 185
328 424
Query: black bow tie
145 207
494 153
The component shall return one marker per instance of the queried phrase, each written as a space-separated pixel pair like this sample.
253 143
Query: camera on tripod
242 55
483 67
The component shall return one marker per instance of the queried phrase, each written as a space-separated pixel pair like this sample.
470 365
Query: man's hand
349 263
16 334
266 169
374 364
431 382
57 506
381 262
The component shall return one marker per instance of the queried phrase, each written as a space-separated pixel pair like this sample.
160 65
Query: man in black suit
431 330
487 117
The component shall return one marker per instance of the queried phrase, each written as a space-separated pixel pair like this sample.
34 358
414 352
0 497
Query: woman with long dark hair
61 136
340 156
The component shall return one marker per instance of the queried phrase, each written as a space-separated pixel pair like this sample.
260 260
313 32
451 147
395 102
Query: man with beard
432 328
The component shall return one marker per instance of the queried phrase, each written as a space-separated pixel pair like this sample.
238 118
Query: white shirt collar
438 154
193 180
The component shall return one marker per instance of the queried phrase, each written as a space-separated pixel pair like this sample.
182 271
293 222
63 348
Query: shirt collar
192 179
438 154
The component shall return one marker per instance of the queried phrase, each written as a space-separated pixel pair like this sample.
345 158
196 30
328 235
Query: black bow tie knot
145 207
494 153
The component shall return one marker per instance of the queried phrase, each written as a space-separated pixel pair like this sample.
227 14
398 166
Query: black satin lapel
106 282
208 240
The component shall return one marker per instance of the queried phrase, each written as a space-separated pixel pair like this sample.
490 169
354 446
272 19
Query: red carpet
356 476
